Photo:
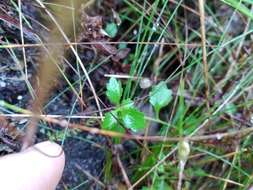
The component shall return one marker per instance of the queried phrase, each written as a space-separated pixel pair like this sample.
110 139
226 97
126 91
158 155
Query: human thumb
39 167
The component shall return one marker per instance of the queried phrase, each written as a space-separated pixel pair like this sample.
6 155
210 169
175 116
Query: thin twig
226 180
90 176
22 36
181 174
188 45
204 53
123 171
52 116
122 76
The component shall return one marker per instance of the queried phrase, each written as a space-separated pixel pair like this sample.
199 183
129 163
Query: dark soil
85 156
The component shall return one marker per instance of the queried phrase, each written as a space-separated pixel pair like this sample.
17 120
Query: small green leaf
111 29
199 172
114 91
133 119
122 46
161 184
110 123
126 104
160 96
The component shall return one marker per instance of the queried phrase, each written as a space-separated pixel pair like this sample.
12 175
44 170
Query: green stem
157 111
12 107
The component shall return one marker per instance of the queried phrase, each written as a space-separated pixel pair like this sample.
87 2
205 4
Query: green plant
125 115
111 29
160 96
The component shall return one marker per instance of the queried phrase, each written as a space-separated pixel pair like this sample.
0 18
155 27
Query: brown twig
123 171
65 123
189 45
204 53
218 136
90 176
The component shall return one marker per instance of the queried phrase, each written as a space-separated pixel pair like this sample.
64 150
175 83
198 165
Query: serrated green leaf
114 91
111 29
126 104
160 96
110 123
133 119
